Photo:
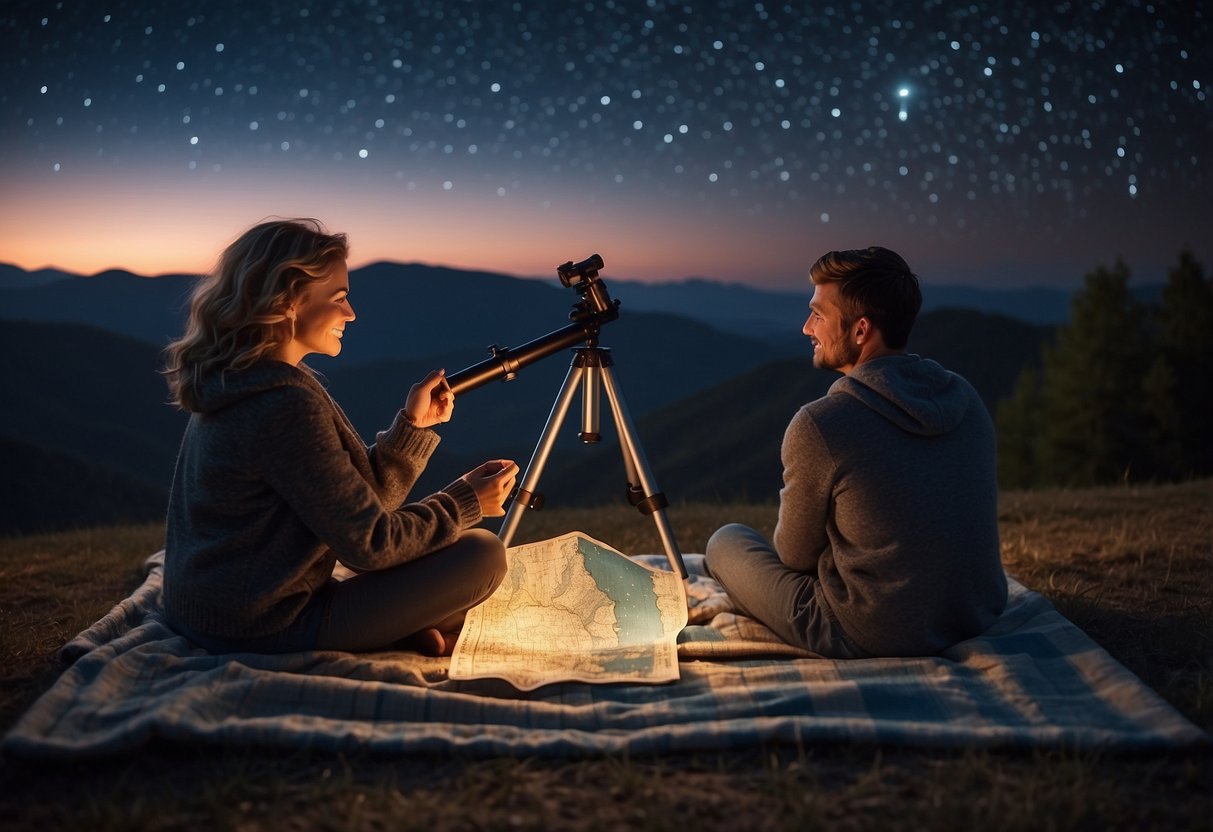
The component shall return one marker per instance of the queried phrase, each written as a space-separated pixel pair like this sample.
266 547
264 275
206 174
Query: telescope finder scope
572 274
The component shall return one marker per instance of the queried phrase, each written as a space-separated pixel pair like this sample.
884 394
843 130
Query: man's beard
844 353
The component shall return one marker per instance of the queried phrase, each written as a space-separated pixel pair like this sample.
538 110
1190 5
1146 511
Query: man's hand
492 481
430 401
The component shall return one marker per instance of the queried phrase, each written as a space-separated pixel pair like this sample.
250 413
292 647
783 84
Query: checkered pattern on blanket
1033 680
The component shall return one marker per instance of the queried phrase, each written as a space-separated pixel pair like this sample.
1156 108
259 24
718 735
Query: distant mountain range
84 404
737 308
155 314
414 310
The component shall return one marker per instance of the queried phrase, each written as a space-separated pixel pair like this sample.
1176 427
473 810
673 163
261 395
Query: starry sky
994 143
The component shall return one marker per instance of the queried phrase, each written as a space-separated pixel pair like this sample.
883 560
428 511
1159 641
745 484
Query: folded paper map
574 609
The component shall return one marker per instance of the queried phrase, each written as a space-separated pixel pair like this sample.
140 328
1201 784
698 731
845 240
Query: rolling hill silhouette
91 395
769 314
44 491
14 277
86 436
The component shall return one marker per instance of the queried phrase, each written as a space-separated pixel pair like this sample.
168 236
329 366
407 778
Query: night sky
993 144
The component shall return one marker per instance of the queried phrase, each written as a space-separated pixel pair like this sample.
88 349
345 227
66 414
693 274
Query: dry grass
1131 566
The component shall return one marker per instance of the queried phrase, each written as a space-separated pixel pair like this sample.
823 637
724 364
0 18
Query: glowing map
574 609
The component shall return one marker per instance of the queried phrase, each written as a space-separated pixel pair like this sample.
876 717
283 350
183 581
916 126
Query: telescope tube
506 363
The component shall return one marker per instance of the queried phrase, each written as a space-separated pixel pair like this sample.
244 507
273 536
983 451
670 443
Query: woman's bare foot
450 639
431 642
428 642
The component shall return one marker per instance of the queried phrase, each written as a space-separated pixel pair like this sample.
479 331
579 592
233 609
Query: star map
997 142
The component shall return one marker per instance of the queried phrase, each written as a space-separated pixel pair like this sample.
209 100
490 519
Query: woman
273 486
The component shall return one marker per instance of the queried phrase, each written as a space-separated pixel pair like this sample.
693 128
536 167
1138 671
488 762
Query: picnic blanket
1033 680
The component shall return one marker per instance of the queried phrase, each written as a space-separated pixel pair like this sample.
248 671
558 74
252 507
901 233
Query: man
887 538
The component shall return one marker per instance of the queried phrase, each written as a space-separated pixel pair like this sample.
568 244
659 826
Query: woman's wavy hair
238 312
873 282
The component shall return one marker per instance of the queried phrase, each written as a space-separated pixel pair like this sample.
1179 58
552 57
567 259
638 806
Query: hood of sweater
916 394
224 389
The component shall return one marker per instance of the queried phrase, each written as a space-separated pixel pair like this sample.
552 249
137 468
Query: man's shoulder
821 416
829 406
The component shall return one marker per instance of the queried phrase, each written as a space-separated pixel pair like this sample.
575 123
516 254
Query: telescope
592 370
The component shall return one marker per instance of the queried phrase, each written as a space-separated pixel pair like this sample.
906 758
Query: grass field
1131 566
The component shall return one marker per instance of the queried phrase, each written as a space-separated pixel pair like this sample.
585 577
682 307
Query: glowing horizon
156 221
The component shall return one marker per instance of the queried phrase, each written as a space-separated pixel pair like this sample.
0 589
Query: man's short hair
875 283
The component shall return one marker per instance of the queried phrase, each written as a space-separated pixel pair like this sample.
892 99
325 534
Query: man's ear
861 330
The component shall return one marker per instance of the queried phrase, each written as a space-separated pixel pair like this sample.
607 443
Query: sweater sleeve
804 501
300 454
398 458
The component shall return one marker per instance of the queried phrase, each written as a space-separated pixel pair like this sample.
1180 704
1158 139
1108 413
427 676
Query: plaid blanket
1033 680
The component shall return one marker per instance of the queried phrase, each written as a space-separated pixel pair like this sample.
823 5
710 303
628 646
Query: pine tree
1093 422
1185 335
1017 419
1167 458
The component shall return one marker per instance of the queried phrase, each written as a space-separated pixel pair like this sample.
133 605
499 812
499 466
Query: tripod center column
591 360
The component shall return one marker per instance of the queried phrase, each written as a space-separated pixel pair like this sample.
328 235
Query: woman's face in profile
321 315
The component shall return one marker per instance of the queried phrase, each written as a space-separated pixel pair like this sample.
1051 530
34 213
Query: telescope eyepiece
572 274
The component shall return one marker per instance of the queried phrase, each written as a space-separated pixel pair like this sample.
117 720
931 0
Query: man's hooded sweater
273 486
890 497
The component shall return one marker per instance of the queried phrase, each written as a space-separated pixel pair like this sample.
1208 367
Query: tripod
591 369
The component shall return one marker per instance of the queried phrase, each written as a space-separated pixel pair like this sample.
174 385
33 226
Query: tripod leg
635 489
543 449
640 466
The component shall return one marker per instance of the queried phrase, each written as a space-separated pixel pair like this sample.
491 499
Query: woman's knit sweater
273 486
